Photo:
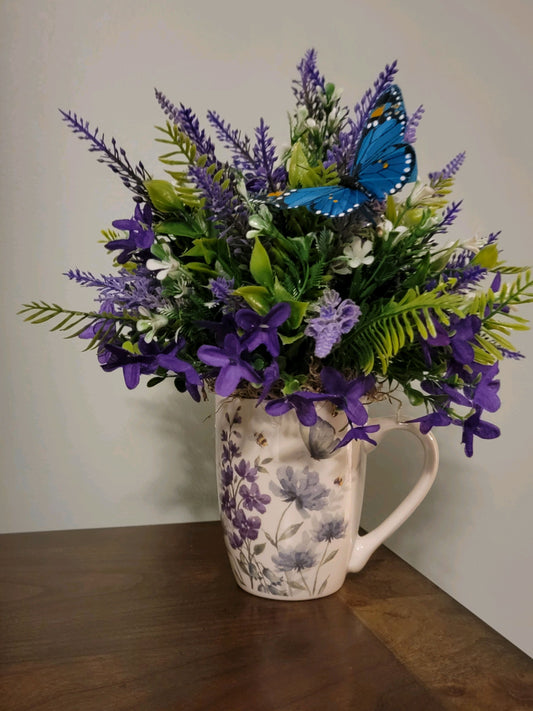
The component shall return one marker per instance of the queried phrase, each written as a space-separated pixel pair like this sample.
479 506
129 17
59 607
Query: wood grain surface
149 618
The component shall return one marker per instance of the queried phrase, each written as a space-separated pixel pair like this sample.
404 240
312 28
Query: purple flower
226 475
235 540
262 330
248 526
270 375
335 317
227 504
141 236
133 365
301 401
330 528
475 426
303 487
356 433
447 393
222 289
245 471
346 394
484 393
439 418
168 360
232 368
253 498
463 333
297 559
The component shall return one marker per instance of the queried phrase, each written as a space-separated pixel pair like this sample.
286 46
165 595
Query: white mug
290 503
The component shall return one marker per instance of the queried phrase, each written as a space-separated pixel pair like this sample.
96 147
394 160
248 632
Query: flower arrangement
319 272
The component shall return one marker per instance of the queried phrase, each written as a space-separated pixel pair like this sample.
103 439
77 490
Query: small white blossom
421 193
150 324
166 267
355 254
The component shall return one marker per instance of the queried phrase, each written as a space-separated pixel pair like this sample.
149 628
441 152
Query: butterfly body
383 164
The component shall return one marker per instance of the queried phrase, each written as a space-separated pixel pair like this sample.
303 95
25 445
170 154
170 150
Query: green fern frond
41 312
390 327
183 147
489 305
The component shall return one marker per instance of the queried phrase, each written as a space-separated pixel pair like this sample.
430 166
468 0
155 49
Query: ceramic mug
290 503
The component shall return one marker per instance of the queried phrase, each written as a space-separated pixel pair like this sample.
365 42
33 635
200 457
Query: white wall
78 449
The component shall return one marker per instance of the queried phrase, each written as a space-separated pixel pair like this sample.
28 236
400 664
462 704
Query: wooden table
149 618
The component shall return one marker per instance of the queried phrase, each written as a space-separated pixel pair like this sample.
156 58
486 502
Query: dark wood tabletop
149 618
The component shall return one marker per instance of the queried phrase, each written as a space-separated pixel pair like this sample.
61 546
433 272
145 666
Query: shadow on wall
183 476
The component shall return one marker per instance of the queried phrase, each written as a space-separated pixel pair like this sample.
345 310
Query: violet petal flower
474 426
334 318
133 365
262 330
270 375
232 368
439 418
301 402
141 236
303 487
346 394
253 498
356 433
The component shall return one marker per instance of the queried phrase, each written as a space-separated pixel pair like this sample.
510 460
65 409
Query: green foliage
38 312
497 313
184 153
388 327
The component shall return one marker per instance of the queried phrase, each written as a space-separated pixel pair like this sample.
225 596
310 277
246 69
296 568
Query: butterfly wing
331 201
322 440
384 162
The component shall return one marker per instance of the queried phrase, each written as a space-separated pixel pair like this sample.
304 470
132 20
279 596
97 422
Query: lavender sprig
222 202
343 153
450 215
449 170
363 108
127 289
310 83
114 157
188 122
268 177
412 125
234 140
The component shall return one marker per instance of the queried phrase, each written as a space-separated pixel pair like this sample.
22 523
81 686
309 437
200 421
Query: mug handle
365 545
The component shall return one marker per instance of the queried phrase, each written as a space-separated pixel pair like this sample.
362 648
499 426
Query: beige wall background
78 449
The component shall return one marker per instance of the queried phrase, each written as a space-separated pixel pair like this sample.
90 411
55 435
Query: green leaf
179 229
289 532
486 257
330 556
298 166
260 266
255 296
203 247
203 268
163 196
259 548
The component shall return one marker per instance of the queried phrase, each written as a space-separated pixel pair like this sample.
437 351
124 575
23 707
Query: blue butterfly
384 163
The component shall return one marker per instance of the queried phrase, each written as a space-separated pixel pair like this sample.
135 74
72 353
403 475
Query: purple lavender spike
188 123
305 89
412 125
115 158
450 169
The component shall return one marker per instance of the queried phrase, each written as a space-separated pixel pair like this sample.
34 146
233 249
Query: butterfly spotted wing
383 164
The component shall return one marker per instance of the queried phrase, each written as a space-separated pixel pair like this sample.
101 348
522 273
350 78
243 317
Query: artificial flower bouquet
319 272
